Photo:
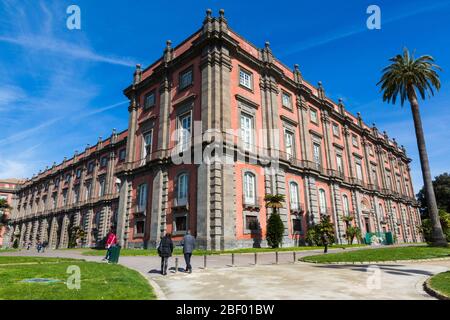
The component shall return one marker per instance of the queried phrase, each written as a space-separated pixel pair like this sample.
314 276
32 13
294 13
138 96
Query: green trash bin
114 255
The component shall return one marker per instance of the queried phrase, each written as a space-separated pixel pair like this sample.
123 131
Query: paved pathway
283 281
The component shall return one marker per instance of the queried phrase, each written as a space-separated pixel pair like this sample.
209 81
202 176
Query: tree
4 206
275 227
403 77
441 187
325 227
351 233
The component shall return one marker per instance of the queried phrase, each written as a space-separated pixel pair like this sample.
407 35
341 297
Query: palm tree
274 201
403 77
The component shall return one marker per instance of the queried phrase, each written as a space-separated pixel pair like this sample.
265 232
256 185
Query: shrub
426 229
316 232
275 230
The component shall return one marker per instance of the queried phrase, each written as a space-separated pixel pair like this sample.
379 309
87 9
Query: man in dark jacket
188 244
165 250
325 242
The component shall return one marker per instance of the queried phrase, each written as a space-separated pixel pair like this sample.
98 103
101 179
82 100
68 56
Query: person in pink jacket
111 240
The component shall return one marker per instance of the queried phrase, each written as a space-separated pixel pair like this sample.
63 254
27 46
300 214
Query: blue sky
61 89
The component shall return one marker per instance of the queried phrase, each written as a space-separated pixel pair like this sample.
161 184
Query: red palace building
214 125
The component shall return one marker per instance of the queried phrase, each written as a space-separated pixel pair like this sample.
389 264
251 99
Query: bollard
276 257
295 256
204 261
176 264
256 258
232 259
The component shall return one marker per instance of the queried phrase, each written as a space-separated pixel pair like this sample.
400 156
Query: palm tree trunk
437 236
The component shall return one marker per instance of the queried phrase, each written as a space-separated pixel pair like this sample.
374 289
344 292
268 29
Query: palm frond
406 73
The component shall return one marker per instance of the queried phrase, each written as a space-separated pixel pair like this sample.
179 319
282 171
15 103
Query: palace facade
287 138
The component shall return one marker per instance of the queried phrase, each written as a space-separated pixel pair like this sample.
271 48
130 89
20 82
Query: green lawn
8 250
441 283
178 251
99 281
381 254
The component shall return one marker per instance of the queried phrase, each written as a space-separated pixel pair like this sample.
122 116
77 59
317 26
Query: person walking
44 245
165 250
188 244
39 247
111 241
325 242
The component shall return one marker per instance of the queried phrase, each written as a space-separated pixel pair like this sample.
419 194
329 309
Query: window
286 100
293 196
54 201
374 176
90 167
313 115
251 223
345 206
406 190
97 219
370 149
67 178
247 131
335 129
322 202
182 189
149 100
339 163
184 132
122 154
289 143
88 190
389 181
359 174
101 187
78 173
297 225
180 223
142 197
185 79
354 140
249 188
399 189
316 153
380 208
245 79
76 195
140 227
64 197
103 161
146 144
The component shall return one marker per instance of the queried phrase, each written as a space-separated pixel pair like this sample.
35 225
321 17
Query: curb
379 262
157 289
432 292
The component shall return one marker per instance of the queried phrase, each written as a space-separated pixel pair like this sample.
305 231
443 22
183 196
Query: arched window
322 202
249 188
380 208
293 196
345 205
182 189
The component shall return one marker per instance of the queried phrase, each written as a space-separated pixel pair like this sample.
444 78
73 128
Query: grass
98 281
441 283
381 254
8 250
179 251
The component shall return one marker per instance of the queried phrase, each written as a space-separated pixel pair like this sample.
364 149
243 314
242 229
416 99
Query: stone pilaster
35 234
43 232
52 241
311 190
64 232
338 213
346 134
329 151
124 211
203 207
159 206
